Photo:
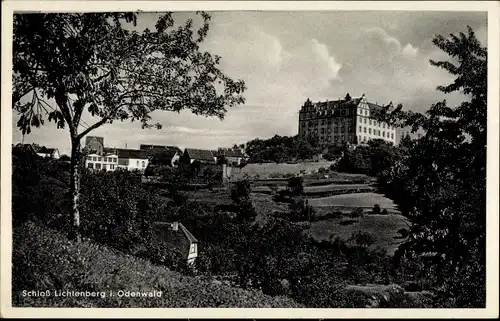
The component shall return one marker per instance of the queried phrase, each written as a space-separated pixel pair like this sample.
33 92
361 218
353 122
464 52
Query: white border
8 7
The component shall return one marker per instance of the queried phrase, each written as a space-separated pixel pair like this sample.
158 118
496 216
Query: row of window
364 112
341 112
337 121
336 130
98 165
375 132
343 138
104 159
376 123
101 166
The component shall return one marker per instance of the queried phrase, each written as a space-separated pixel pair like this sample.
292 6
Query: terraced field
383 228
364 200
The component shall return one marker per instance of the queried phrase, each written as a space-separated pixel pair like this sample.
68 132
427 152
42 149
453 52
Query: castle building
348 120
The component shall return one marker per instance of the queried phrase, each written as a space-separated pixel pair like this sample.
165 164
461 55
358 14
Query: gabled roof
90 138
159 147
374 108
200 154
126 153
24 148
229 152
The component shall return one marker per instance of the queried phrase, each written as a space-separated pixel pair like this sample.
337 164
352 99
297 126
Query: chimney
175 226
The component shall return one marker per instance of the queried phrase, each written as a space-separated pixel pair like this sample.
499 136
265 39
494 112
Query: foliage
357 212
64 158
376 209
296 185
45 259
70 63
300 210
440 184
240 195
281 149
371 160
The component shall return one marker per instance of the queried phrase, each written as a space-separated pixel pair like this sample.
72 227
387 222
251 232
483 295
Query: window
370 121
97 166
383 125
94 158
192 249
364 130
360 129
104 166
365 120
369 131
99 159
392 135
383 134
137 163
111 166
90 165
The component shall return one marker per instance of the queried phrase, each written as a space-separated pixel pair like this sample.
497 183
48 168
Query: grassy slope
44 259
382 227
365 200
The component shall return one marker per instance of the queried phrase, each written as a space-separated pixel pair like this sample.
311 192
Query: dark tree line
440 182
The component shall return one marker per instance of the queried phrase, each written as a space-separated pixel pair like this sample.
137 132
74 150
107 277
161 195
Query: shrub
240 195
385 211
362 239
376 209
357 212
322 170
296 185
301 211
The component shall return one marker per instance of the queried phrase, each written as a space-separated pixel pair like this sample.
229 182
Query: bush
240 195
385 212
376 209
357 212
46 259
296 185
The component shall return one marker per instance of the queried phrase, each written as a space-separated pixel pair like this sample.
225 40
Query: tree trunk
75 189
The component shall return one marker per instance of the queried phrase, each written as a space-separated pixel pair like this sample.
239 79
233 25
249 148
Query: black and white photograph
202 157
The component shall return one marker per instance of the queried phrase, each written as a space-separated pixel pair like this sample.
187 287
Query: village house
99 157
201 161
48 152
40 151
176 237
162 155
233 157
203 156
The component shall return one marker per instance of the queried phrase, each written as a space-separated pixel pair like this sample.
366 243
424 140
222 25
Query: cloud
390 43
322 51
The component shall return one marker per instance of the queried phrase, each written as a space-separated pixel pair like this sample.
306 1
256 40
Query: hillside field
383 228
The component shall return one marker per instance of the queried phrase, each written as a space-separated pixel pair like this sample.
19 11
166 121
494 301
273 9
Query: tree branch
92 127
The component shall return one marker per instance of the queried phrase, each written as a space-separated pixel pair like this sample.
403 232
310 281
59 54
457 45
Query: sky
285 58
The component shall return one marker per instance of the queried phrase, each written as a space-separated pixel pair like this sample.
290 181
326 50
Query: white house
47 152
131 159
107 162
